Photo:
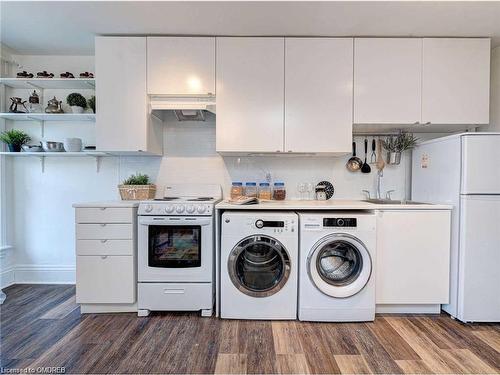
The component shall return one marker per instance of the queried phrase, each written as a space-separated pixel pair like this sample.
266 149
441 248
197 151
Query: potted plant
395 145
77 102
137 187
91 103
14 139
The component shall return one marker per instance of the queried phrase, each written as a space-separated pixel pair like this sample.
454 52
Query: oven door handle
168 222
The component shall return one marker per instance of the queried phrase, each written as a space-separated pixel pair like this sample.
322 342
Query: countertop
332 204
110 204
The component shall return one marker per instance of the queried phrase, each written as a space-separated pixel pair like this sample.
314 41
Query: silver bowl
49 146
32 148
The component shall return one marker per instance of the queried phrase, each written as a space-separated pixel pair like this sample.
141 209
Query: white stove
176 244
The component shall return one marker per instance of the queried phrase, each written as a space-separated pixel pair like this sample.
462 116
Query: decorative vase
76 109
393 158
14 148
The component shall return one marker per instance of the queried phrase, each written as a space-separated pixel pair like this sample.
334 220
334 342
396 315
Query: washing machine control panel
275 226
350 222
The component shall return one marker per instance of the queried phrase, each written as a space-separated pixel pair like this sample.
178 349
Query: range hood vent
186 104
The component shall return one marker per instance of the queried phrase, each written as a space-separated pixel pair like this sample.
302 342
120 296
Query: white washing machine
259 265
337 258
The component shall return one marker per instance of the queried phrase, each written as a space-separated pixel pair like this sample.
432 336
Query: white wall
7 254
494 125
41 214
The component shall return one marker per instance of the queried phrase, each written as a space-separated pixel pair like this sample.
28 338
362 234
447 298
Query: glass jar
279 191
251 190
236 190
265 191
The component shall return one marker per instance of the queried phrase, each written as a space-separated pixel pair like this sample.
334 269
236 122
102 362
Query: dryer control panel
350 222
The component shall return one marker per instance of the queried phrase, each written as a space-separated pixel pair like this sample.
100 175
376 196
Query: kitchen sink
390 201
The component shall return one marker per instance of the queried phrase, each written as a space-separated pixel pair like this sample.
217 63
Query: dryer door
339 265
259 266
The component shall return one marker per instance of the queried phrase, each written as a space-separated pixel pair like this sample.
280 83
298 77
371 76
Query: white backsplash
190 157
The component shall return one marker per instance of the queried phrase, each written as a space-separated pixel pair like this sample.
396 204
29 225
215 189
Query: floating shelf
48 116
59 154
49 83
97 155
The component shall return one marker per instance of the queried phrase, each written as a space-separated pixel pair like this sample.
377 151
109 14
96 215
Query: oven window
174 246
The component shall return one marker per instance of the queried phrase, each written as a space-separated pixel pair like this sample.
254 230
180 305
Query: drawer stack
106 254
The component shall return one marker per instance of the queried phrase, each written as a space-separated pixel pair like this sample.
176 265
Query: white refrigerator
464 170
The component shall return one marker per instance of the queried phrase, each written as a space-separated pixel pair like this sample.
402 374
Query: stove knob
190 209
179 209
201 209
169 209
148 208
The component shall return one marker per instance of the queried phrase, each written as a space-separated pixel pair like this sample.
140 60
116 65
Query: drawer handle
173 291
104 241
103 225
104 257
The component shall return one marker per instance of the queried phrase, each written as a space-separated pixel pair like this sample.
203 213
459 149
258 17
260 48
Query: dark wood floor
41 326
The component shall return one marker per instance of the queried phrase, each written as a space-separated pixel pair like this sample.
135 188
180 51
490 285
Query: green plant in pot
137 187
91 103
395 145
77 102
14 139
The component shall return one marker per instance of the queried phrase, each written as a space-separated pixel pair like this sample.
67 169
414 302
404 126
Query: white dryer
259 265
337 258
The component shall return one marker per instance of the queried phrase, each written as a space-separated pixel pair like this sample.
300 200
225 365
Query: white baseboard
7 277
44 274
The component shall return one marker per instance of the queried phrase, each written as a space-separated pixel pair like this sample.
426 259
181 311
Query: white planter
77 109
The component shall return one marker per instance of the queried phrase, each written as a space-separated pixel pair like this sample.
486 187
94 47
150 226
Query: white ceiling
68 27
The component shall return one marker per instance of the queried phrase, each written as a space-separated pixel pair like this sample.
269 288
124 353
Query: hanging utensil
380 164
354 163
365 167
373 157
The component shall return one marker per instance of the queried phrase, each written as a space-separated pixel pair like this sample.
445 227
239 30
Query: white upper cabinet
318 94
250 94
181 65
387 80
456 81
122 119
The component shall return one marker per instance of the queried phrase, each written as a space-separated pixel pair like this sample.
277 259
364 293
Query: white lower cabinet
105 279
413 257
106 257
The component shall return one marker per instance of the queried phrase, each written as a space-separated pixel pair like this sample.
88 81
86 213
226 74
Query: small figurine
86 75
44 74
67 75
54 106
24 74
15 103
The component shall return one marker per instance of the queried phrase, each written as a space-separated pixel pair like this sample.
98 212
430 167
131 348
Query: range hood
186 108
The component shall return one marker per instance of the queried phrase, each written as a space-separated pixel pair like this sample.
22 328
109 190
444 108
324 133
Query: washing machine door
339 265
259 266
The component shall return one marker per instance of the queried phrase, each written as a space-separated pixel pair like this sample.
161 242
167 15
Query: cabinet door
318 95
105 279
250 98
456 81
387 80
181 66
413 257
121 109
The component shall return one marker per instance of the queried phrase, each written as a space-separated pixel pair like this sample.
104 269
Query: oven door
175 249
